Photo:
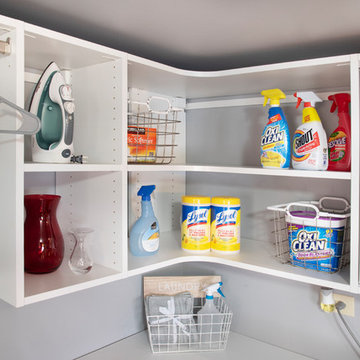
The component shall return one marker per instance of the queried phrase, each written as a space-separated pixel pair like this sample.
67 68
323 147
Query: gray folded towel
170 319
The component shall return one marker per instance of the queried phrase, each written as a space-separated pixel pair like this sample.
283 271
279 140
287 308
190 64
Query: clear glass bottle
80 261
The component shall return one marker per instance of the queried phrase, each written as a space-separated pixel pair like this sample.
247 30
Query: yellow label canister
225 225
195 227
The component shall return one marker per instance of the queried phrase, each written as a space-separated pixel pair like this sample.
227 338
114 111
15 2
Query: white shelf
254 256
37 167
338 175
63 281
316 74
238 347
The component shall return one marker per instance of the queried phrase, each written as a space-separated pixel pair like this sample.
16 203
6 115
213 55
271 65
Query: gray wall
276 311
283 313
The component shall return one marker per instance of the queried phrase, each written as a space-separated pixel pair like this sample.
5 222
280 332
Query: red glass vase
43 240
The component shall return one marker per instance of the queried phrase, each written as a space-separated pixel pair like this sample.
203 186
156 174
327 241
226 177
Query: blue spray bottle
144 235
275 139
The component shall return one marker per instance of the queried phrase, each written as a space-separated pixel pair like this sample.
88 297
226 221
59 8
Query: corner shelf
63 281
255 255
41 167
243 170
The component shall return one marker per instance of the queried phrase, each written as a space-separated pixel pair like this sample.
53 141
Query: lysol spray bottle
275 139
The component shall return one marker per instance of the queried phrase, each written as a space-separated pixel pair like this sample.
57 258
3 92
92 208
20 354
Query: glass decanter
80 261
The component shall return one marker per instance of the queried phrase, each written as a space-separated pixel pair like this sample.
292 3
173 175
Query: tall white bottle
309 146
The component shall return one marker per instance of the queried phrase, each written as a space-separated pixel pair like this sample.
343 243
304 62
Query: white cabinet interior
217 153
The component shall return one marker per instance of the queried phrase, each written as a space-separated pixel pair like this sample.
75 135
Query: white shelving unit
217 153
92 194
224 120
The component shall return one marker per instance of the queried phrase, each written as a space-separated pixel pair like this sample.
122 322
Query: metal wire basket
309 235
152 131
190 332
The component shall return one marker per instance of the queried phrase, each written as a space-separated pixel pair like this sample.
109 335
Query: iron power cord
79 159
340 306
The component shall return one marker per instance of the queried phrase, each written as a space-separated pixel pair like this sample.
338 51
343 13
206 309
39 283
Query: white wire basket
152 131
173 333
312 236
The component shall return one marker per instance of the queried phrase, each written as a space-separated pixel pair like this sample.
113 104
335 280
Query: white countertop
239 347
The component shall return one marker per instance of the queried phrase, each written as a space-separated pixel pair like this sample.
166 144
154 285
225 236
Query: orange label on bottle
274 118
337 146
141 143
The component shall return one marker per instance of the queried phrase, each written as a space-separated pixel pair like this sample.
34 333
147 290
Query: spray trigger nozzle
211 289
299 100
274 95
145 192
340 101
308 97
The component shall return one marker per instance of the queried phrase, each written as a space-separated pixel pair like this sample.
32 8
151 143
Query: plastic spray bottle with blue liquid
145 234
210 319
275 139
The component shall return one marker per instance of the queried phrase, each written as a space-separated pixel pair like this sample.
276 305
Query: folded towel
170 319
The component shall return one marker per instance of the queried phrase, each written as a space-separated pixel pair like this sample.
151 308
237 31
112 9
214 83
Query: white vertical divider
99 104
20 94
11 168
355 183
124 189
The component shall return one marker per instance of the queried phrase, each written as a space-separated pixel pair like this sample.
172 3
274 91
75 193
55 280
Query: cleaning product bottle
340 140
210 319
144 235
275 139
310 141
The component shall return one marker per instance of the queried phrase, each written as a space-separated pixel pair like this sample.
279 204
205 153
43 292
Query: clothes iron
52 102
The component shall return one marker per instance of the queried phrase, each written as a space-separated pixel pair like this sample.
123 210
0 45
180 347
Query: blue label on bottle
150 240
275 141
315 248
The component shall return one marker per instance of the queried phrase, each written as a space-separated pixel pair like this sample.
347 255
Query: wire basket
190 332
309 235
152 133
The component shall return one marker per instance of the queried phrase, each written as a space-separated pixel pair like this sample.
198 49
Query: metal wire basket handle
147 104
299 204
323 208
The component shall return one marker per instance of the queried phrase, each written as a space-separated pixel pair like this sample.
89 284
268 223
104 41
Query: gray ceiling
204 34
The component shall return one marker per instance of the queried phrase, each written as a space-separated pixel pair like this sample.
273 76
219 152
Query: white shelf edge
337 175
37 167
239 71
290 99
72 288
241 265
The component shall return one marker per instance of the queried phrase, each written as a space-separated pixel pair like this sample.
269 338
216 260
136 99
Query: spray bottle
210 319
275 139
144 235
310 141
340 140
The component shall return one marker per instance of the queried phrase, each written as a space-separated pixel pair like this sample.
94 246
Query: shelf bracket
5 47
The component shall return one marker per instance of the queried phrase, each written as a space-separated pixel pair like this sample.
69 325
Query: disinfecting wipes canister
195 227
225 225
